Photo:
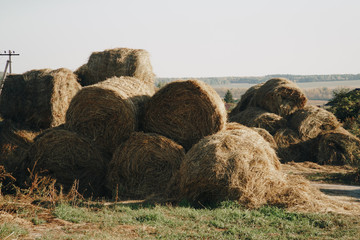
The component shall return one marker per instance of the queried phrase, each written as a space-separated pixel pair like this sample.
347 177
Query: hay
338 147
66 157
185 111
108 112
257 117
14 141
144 165
12 98
224 165
312 120
117 62
245 100
239 165
280 96
262 132
292 148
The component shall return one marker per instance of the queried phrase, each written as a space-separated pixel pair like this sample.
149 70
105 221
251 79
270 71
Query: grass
351 178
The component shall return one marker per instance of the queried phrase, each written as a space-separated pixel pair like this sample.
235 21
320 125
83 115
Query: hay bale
117 62
262 132
312 120
66 157
245 100
257 117
12 98
108 112
14 141
225 165
185 111
280 96
338 147
292 148
144 165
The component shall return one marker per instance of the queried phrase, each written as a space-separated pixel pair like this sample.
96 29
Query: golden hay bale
224 165
338 147
117 62
292 148
144 165
280 96
14 141
107 112
12 98
185 111
312 120
66 157
262 132
257 117
245 99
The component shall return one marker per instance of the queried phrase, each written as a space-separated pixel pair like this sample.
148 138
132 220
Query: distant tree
228 97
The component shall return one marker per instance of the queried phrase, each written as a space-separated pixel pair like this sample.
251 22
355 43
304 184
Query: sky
187 38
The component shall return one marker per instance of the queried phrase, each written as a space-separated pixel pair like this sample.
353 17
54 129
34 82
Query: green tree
228 97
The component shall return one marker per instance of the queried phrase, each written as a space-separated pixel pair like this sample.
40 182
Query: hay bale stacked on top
185 111
117 62
38 99
144 165
107 112
66 157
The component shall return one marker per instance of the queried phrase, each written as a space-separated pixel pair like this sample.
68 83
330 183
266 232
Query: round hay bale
144 165
14 141
280 96
338 147
45 97
229 165
117 62
108 112
312 120
257 117
12 98
245 100
66 157
185 111
262 132
292 148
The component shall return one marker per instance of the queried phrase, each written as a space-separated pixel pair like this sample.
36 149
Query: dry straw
245 99
14 141
185 111
108 112
117 62
312 120
280 96
257 117
338 147
66 157
145 165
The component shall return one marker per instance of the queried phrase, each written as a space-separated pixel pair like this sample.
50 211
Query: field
39 214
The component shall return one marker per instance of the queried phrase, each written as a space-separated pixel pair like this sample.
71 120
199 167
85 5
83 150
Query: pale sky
187 38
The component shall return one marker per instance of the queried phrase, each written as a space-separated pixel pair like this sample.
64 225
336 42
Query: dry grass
280 96
109 111
245 99
117 62
185 111
144 165
257 117
312 121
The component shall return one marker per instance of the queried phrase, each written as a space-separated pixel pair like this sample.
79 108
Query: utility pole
8 64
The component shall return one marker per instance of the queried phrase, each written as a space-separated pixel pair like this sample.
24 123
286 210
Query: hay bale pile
117 62
185 111
144 165
38 99
279 107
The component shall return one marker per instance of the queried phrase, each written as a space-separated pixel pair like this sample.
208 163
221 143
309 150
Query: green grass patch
226 221
11 231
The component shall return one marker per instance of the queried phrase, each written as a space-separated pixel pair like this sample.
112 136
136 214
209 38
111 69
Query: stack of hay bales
117 62
299 130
